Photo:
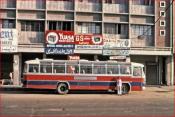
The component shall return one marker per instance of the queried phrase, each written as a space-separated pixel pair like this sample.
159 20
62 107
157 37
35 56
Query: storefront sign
73 57
117 57
120 43
88 40
64 51
8 40
116 52
89 47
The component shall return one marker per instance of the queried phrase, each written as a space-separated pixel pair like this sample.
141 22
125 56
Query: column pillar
17 61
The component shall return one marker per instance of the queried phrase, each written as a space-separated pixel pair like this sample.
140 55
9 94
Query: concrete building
143 26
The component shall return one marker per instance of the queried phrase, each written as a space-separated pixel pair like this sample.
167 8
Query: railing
7 4
31 37
142 20
60 5
31 4
141 9
115 8
88 7
31 15
60 16
7 14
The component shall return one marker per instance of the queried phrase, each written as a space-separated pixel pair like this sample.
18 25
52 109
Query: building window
141 30
7 23
36 26
162 23
54 25
162 13
162 4
89 28
143 2
115 29
162 33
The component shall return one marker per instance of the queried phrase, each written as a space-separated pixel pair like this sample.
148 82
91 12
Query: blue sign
59 49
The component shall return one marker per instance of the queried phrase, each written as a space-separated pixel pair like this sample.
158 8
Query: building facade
132 30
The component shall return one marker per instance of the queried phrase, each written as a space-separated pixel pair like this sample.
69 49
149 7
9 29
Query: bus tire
125 88
62 88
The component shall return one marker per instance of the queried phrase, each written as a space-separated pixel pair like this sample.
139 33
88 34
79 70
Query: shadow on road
46 91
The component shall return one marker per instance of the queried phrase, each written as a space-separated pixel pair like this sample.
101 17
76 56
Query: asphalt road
154 101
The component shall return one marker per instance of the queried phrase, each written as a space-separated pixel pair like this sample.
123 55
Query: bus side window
33 68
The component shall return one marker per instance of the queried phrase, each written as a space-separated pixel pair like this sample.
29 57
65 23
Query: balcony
31 15
60 5
7 14
7 4
31 38
31 4
115 8
115 18
142 20
88 17
60 16
141 10
88 7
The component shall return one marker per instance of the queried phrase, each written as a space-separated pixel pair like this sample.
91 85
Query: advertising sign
120 43
8 40
60 42
60 49
60 37
115 52
88 40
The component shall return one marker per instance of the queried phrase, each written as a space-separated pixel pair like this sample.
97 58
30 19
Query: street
153 101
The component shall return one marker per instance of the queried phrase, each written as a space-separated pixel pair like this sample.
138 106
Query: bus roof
37 61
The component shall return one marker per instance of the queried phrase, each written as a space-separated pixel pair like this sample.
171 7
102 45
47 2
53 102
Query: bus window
33 68
137 71
59 67
112 69
99 69
72 67
46 67
85 68
125 69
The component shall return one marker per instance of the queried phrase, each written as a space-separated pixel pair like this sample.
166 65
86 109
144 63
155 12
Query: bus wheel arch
126 88
62 87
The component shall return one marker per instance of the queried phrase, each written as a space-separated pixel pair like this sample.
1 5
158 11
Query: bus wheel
125 88
62 88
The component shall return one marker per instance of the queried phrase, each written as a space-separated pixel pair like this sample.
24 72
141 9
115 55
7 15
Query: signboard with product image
60 42
8 40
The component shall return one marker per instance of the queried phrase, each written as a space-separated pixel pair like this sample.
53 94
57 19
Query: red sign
73 57
60 37
68 37
88 40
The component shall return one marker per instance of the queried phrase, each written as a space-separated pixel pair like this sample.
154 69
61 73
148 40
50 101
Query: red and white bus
65 75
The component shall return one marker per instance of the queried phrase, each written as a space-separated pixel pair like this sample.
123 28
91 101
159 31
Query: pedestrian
119 86
11 77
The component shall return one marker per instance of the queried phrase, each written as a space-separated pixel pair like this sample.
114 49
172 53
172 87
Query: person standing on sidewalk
119 86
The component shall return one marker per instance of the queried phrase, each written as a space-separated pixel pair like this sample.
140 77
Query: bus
66 75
